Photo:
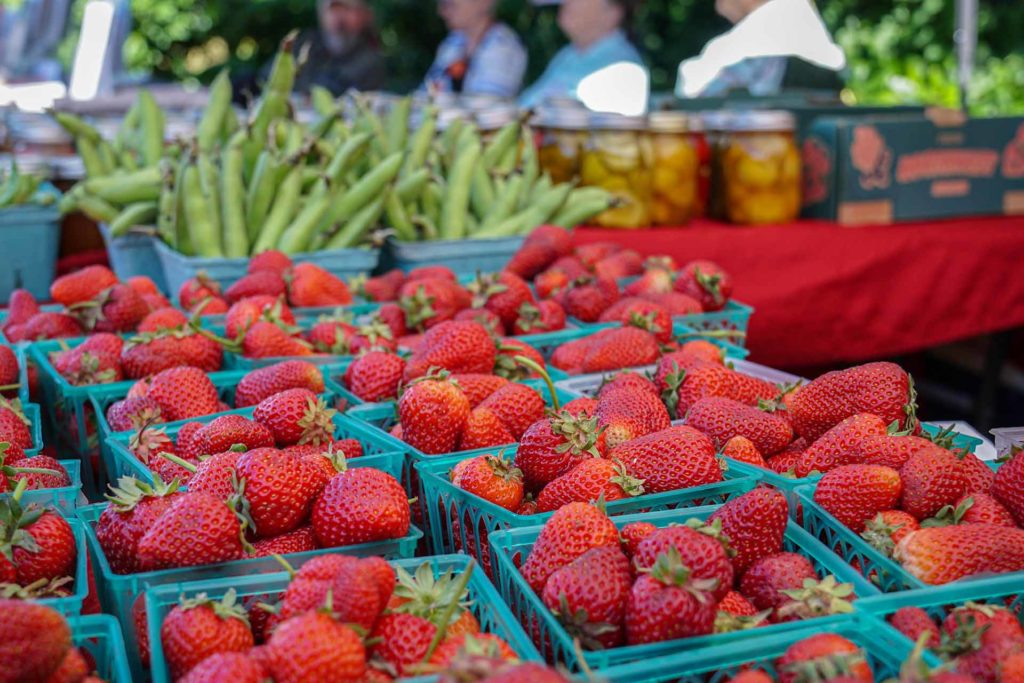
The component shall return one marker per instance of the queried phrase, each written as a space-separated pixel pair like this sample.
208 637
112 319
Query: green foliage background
900 51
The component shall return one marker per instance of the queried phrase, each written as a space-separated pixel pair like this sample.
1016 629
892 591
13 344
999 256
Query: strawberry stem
446 616
178 461
284 563
726 334
532 365
10 387
19 490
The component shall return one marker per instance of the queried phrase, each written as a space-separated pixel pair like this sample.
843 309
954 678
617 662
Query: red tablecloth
826 294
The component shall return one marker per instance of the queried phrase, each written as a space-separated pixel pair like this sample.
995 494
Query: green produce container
100 635
134 254
464 257
64 499
30 235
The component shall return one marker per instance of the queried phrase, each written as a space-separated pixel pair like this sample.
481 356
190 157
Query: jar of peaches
675 176
760 168
561 132
617 156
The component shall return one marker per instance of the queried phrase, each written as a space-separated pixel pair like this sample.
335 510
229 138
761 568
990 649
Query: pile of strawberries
38 553
643 584
833 658
94 300
36 645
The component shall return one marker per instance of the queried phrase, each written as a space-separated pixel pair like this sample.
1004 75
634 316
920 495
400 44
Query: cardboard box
911 167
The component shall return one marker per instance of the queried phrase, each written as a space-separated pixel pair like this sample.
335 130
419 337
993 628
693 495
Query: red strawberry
163 319
736 613
891 451
245 313
506 365
640 313
21 307
587 298
491 322
82 285
571 531
197 529
39 543
1008 485
148 354
530 259
269 340
222 433
552 281
980 477
569 356
631 381
375 376
296 416
621 347
428 302
83 365
945 554
591 480
333 335
888 528
257 283
269 260
491 477
433 413
184 393
983 637
623 263
9 370
542 316
882 389
676 303
932 479
681 386
379 288
836 446
263 383
14 426
654 280
740 448
454 649
431 273
223 666
825 650
667 603
360 506
34 640
478 386
974 508
314 647
214 475
674 458
589 596
766 579
403 641
723 418
626 414
278 490
913 622
632 534
312 285
702 551
117 309
707 283
453 346
552 447
199 627
196 290
484 429
755 524
853 494
133 414
134 507
501 293
517 406
46 325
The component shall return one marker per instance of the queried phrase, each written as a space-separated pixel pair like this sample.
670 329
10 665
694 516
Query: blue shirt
571 65
496 67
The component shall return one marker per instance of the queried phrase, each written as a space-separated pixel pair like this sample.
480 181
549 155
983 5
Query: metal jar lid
494 117
762 121
670 122
565 118
605 121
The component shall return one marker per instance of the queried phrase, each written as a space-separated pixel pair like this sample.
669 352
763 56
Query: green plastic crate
378 453
460 521
118 591
487 605
33 413
511 547
64 499
101 636
885 648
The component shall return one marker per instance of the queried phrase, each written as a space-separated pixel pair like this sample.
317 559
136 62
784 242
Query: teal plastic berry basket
118 592
33 414
486 604
64 499
510 548
884 648
460 521
100 635
378 453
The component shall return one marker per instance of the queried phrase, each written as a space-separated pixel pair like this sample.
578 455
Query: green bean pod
90 156
286 203
197 215
299 234
530 166
77 127
409 187
152 123
126 188
107 157
431 200
482 192
358 225
282 72
580 208
260 192
346 157
127 161
419 146
456 199
232 198
209 178
530 217
496 149
322 101
184 238
366 189
539 189
505 203
397 126
398 218
166 205
97 209
132 215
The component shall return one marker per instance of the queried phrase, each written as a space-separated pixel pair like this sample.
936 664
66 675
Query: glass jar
715 124
676 168
617 157
561 134
760 168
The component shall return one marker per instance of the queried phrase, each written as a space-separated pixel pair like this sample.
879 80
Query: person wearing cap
480 55
343 52
597 44
774 45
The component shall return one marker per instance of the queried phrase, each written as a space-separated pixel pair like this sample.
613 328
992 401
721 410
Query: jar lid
448 115
569 118
606 121
669 121
494 117
764 120
715 120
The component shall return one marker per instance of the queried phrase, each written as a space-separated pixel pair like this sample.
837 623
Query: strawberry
34 640
375 376
116 309
571 531
640 313
913 622
148 354
836 446
9 370
530 259
620 348
272 260
198 627
278 490
183 393
196 290
980 477
222 433
506 365
755 524
263 383
945 554
379 288
186 434
888 528
247 312
360 506
83 365
257 283
589 596
766 579
853 494
569 356
827 652
46 325
315 648
552 447
932 479
723 418
632 381
333 334
133 413
891 451
622 263
478 386
674 458
433 413
269 340
586 298
491 322
667 603
223 666
736 613
39 543
654 280
462 347
882 389
557 239
501 293
626 414
403 642
197 529
974 508
707 283
493 478
428 302
14 426
163 319
21 307
82 285
517 406
584 406
675 303
484 429
134 507
982 637
1008 485
538 317
215 474
702 549
431 273
296 416
741 448
632 534
453 648
686 378
551 282
312 285
591 480
39 480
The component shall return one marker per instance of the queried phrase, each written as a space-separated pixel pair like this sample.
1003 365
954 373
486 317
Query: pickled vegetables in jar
618 157
760 169
562 133
676 169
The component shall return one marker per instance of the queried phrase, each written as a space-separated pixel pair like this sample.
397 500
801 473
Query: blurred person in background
480 55
598 43
343 52
774 45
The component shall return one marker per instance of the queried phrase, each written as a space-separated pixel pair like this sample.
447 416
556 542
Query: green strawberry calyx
824 668
580 434
668 568
429 596
129 491
727 622
878 533
630 485
949 515
578 624
712 530
43 588
226 608
817 599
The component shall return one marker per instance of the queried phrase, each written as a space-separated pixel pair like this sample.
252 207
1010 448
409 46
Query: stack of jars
669 167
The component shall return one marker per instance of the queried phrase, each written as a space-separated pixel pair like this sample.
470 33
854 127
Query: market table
826 294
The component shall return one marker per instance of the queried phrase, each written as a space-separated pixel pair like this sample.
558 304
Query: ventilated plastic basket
460 521
486 604
100 635
135 254
118 592
511 547
463 257
32 413
30 236
64 499
1007 439
884 647
237 361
